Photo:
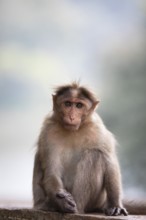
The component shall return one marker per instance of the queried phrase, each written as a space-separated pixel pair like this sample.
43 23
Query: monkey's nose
72 118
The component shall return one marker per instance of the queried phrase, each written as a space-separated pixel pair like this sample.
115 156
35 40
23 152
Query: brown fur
76 167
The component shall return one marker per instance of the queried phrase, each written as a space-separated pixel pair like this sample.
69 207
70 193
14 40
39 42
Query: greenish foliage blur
124 111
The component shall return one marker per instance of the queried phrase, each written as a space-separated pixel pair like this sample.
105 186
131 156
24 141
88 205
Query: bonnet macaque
76 168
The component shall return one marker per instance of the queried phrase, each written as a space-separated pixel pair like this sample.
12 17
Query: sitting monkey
76 168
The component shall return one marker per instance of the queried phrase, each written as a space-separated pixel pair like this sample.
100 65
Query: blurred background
44 43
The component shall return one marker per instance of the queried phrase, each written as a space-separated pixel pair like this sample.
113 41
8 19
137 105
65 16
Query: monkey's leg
39 196
113 187
87 189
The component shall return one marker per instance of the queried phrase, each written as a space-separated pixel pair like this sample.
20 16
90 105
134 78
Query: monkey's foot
66 202
114 211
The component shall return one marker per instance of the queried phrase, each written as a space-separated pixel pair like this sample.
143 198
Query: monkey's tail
135 207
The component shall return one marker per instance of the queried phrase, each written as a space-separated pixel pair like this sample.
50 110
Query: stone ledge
30 214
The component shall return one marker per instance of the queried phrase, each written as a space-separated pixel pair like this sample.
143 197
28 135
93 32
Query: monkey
76 169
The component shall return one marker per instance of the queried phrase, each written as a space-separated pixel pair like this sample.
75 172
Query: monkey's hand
114 211
66 202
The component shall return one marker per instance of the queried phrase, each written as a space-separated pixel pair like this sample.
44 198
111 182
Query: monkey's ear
95 104
54 101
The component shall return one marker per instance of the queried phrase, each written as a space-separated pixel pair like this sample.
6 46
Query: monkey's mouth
72 127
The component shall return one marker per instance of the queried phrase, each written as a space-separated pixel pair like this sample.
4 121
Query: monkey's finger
110 211
60 195
117 211
72 203
124 212
70 209
120 211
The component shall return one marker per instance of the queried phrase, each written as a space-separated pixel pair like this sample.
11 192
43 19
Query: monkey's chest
70 161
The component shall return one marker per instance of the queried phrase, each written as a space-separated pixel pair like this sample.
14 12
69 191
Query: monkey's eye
67 103
79 105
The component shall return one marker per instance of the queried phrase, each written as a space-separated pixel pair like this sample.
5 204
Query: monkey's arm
49 161
113 188
52 184
54 187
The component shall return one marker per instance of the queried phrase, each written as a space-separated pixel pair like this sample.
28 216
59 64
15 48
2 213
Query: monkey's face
73 113
72 107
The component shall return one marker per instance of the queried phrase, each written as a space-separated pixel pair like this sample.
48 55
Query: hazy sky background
47 42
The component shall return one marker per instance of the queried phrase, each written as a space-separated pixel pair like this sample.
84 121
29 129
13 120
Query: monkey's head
73 105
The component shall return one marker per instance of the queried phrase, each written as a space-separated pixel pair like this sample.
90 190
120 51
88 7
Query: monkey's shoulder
105 139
